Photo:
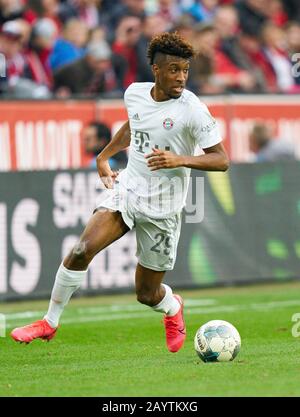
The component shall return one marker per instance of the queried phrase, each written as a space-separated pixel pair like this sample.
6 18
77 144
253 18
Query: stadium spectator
95 137
252 15
185 27
11 47
262 68
19 80
275 12
212 71
52 9
169 11
15 9
201 67
127 36
226 22
25 30
71 45
292 30
203 10
274 48
247 55
153 25
266 148
43 36
88 11
124 8
98 34
99 71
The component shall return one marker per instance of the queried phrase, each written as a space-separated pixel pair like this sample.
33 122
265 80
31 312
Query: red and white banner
47 135
281 113
43 135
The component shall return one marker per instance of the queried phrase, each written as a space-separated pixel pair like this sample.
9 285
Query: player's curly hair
169 44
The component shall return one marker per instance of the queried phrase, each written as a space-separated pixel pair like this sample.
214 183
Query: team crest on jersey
168 124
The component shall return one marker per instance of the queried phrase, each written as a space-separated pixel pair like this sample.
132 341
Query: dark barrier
250 230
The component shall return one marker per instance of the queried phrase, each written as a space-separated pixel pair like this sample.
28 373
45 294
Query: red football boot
39 329
175 328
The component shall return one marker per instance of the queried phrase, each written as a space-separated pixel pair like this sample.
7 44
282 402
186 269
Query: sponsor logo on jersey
136 117
208 128
168 124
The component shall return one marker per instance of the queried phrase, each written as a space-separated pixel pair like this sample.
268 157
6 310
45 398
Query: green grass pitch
112 346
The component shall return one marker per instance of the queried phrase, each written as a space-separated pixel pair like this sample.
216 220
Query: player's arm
214 159
119 142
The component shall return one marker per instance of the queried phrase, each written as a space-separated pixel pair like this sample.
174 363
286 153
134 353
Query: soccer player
165 124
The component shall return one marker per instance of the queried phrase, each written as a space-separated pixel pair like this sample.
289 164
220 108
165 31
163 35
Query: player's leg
152 292
103 228
156 250
148 286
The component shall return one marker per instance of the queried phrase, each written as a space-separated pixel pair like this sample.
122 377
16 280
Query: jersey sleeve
203 127
128 93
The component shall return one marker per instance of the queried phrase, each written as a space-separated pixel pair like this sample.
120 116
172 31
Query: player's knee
147 298
80 254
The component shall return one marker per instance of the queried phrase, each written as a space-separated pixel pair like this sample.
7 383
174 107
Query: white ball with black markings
217 341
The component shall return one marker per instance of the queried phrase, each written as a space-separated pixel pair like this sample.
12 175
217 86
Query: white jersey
177 125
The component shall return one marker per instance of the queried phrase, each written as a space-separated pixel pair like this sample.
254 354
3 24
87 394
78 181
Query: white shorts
157 239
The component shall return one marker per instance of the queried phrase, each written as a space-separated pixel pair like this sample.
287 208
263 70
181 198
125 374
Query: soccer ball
217 341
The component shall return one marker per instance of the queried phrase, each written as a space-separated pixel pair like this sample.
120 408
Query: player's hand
159 159
106 175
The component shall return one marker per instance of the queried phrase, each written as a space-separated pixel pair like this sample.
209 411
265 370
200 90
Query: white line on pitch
217 309
189 311
109 308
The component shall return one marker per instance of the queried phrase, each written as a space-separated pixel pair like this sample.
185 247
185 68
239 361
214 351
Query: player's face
171 76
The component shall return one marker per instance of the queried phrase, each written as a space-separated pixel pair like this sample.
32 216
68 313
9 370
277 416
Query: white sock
66 283
169 304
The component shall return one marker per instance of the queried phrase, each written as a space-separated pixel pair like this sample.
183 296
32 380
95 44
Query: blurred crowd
58 48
